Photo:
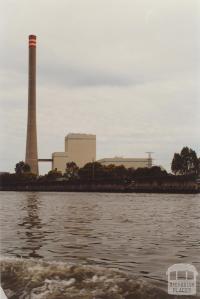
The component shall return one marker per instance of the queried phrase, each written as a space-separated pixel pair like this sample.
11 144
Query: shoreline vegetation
175 189
95 177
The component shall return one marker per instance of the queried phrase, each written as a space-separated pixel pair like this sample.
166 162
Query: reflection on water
141 234
32 227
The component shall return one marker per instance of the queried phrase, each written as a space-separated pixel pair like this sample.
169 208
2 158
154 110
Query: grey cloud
73 76
125 70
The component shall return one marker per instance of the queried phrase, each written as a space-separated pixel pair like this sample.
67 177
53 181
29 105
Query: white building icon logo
182 279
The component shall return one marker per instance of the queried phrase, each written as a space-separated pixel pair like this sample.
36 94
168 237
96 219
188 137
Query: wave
38 279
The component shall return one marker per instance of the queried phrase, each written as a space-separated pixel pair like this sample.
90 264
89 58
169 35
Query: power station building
127 162
81 149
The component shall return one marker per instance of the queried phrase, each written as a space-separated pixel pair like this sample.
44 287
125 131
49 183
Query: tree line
184 164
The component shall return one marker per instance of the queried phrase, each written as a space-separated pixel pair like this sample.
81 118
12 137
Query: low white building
127 162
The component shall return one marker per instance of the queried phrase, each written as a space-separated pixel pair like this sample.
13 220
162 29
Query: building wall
81 148
127 162
59 161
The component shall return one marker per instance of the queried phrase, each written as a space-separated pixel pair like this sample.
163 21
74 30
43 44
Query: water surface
141 234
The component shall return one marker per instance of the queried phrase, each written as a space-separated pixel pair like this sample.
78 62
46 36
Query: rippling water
140 234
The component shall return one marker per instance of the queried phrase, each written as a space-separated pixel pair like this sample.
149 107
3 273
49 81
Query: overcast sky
125 70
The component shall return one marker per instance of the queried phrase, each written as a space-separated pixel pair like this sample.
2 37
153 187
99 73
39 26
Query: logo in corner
182 279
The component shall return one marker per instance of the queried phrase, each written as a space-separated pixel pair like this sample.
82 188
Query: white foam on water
37 279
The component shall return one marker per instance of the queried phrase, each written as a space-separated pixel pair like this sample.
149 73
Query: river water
138 234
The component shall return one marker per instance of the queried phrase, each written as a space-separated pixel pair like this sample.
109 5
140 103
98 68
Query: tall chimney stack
31 139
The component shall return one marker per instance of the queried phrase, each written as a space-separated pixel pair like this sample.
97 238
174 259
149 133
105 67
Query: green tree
185 163
71 171
92 171
189 161
154 171
198 166
177 164
120 173
110 172
54 174
22 167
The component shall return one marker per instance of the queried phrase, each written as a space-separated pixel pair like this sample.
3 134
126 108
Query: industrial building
127 162
81 149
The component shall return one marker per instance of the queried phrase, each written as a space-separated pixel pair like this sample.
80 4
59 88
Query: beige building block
59 161
80 148
127 162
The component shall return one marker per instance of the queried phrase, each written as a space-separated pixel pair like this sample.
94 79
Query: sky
125 70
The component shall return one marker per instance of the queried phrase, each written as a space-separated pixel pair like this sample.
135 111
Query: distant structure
31 139
150 158
127 162
79 148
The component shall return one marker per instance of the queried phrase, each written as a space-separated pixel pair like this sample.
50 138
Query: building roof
182 267
122 159
60 154
80 136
